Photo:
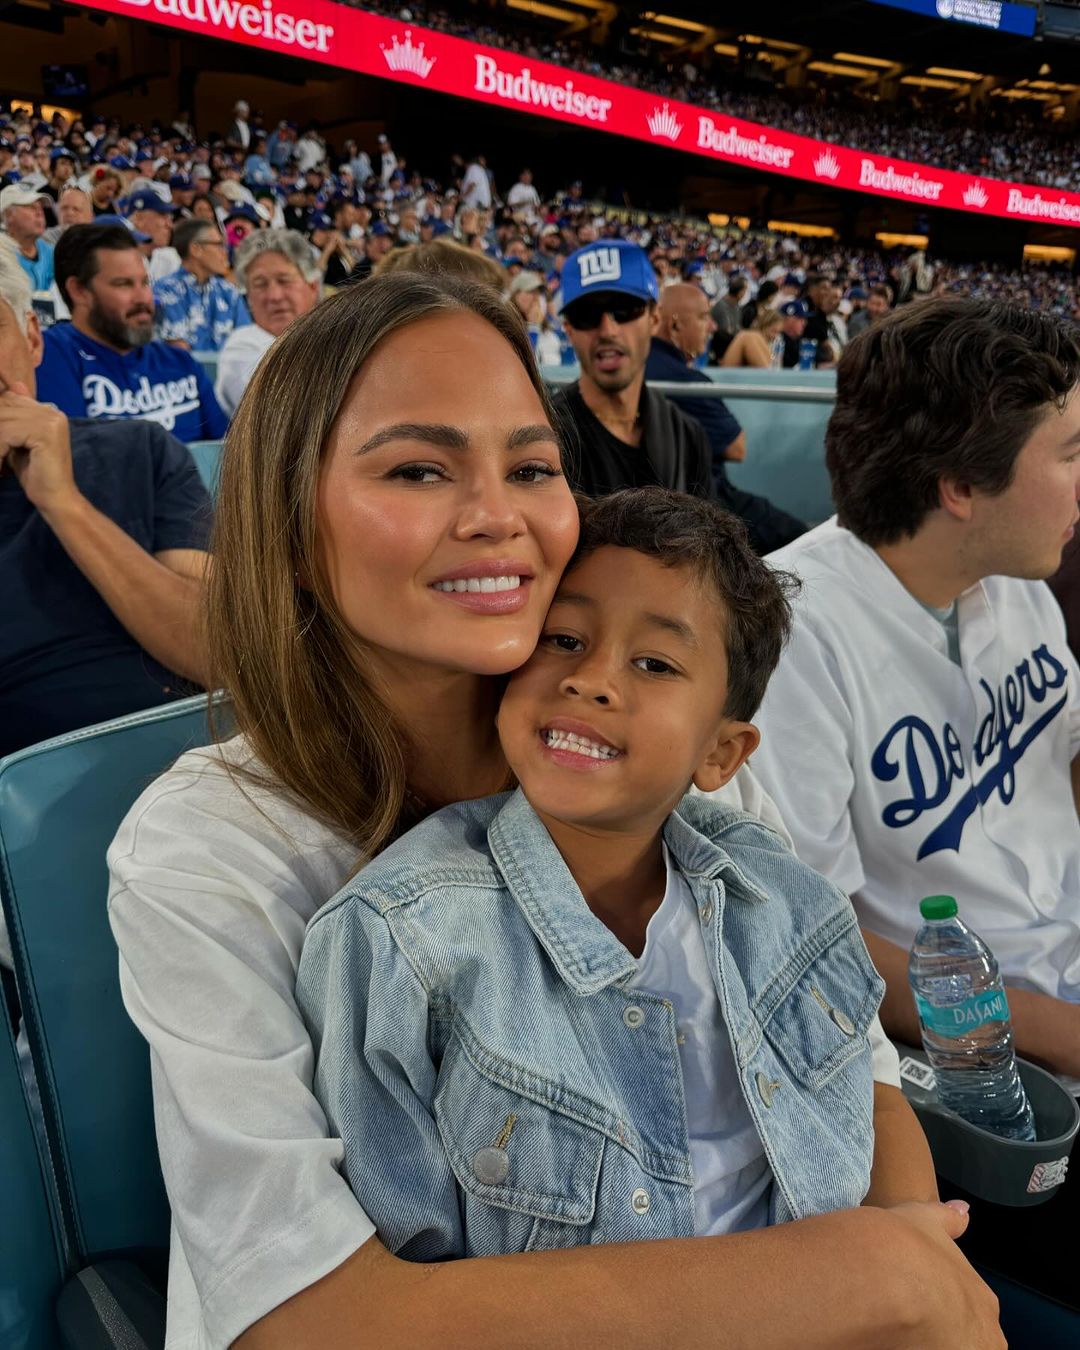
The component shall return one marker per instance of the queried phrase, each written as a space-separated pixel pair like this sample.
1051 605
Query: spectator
258 171
281 145
816 296
102 543
765 300
387 159
358 162
335 260
444 258
753 346
62 166
523 197
727 315
197 308
22 211
238 136
152 215
476 185
685 327
74 208
621 432
794 315
928 692
527 294
310 149
104 363
877 306
280 279
106 186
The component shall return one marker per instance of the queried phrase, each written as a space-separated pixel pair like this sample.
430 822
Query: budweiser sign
233 18
349 38
524 87
733 143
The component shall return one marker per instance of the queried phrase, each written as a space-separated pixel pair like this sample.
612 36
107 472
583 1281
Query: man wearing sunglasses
197 307
620 433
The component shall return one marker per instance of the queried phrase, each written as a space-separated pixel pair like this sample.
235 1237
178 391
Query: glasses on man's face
585 315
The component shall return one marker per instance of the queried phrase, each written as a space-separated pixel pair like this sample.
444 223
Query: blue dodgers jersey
157 383
203 316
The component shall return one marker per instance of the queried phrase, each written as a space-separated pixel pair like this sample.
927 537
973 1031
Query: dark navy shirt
666 362
157 382
66 661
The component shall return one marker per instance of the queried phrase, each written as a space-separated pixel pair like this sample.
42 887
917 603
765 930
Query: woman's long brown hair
300 683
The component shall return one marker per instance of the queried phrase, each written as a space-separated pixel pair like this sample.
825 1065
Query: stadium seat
31 1268
60 805
785 459
207 456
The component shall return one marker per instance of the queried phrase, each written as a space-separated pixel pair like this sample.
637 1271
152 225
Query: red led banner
353 39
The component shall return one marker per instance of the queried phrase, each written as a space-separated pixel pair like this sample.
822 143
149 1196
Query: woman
753 346
394 447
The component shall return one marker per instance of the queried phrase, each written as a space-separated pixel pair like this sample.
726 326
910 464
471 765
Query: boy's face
621 706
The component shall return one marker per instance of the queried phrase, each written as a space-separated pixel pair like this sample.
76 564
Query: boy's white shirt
211 893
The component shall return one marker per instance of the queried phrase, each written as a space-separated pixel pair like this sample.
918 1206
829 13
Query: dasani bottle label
955 1019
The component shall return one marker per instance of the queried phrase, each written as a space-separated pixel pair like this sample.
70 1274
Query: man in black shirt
103 533
619 433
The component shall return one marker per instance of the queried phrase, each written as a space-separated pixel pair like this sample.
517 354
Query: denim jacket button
640 1201
633 1017
490 1166
707 912
765 1088
843 1021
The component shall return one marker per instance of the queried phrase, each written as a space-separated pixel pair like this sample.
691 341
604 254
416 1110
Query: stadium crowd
992 141
325 285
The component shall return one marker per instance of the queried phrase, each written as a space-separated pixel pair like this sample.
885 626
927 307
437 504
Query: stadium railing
61 803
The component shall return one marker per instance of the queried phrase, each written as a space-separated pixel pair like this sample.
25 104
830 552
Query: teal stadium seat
61 802
31 1266
207 457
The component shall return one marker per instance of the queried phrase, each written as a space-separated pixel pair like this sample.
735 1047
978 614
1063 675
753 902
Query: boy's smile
621 706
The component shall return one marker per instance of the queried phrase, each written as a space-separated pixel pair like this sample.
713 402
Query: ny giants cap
613 265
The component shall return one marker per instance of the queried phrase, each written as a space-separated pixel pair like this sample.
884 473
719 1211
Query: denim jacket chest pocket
527 1168
815 1016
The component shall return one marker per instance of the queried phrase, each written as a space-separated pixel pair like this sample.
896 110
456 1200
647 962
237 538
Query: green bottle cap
937 907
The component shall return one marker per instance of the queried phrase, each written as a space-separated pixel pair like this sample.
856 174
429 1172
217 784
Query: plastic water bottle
776 353
965 1023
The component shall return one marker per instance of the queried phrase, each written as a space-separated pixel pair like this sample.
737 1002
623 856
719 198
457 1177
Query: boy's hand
952 1308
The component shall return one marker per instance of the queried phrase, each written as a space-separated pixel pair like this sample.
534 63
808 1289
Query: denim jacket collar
587 955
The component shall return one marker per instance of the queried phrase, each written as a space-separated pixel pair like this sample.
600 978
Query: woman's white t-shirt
212 889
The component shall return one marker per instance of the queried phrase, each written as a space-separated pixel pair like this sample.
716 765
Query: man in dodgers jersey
921 733
104 363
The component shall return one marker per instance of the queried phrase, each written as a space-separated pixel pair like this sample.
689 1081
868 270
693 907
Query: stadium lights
673 22
831 68
1050 253
888 240
806 231
865 60
542 10
743 222
655 35
929 82
725 49
955 74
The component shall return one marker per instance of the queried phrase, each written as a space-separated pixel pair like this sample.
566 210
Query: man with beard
622 434
104 363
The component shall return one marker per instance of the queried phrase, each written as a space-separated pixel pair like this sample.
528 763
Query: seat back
61 803
207 457
30 1259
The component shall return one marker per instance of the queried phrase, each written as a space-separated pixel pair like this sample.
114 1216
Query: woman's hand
951 1308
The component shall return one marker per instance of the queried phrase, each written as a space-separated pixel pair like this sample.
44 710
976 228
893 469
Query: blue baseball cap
137 235
180 182
380 228
611 266
439 228
242 211
120 162
62 152
795 309
320 221
148 201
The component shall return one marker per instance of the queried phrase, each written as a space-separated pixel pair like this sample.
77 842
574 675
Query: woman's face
444 521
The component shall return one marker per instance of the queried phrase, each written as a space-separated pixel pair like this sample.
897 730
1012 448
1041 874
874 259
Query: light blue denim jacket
476 1056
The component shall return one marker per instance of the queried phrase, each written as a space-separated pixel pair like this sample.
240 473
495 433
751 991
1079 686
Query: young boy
597 1009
